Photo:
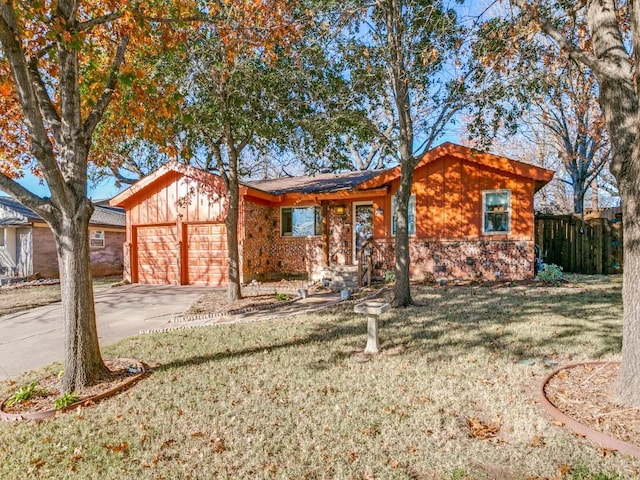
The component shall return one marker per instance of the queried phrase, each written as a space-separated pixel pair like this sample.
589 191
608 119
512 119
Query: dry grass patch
449 398
17 298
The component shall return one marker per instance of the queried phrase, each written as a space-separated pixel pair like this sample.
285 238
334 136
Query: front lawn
453 396
17 298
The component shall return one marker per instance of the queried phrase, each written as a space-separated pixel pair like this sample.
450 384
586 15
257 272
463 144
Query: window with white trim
96 238
496 211
300 221
411 220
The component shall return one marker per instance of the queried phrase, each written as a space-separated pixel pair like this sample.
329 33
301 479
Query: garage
206 254
175 228
158 259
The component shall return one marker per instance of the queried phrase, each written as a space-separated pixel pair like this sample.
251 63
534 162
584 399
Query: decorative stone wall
473 260
340 236
256 253
265 254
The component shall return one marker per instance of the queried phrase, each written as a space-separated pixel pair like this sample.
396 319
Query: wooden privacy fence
592 246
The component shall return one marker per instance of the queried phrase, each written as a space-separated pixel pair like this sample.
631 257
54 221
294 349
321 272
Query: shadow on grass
515 323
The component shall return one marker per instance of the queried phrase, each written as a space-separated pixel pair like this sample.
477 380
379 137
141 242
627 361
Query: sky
105 189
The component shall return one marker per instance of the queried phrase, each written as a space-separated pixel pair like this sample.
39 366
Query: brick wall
45 257
478 259
266 254
107 260
340 236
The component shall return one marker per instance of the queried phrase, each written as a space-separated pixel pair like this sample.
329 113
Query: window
2 240
301 222
412 215
96 238
496 206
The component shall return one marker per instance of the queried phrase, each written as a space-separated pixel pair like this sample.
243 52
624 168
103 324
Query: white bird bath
373 309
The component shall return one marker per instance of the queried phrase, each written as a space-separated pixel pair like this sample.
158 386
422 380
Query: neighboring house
27 246
470 216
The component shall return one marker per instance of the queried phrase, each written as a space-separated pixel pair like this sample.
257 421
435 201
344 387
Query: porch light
379 211
339 209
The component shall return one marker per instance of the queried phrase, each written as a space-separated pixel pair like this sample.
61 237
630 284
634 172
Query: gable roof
19 214
341 183
540 175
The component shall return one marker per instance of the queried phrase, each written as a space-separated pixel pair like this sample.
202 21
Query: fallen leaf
605 452
218 445
537 441
166 443
482 431
564 469
120 448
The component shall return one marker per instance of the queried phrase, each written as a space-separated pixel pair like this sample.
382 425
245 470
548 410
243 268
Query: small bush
429 278
65 400
389 276
283 297
24 393
550 273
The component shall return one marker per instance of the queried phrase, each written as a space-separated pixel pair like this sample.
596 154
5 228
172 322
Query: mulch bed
48 389
585 393
254 297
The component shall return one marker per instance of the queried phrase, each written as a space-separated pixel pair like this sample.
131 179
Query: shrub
282 297
389 276
24 393
550 273
65 400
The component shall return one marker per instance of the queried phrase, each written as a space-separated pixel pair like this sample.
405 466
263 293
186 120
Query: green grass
294 398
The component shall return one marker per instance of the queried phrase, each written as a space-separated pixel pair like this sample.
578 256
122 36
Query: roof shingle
321 183
102 215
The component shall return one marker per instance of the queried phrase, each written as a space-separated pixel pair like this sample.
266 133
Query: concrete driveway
34 338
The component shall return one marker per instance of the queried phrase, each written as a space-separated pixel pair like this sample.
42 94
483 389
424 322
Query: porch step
342 276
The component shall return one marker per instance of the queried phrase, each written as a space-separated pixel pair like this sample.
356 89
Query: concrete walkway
34 338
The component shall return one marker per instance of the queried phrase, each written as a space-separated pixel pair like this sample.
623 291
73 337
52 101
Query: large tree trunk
231 221
619 103
83 363
233 214
402 290
627 387
396 39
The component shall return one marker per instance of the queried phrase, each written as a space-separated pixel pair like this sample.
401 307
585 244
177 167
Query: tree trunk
627 387
233 290
619 103
402 289
83 363
396 43
578 198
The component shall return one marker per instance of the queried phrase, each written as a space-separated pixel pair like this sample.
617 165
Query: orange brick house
471 216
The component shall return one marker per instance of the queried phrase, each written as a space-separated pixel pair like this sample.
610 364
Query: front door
362 226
